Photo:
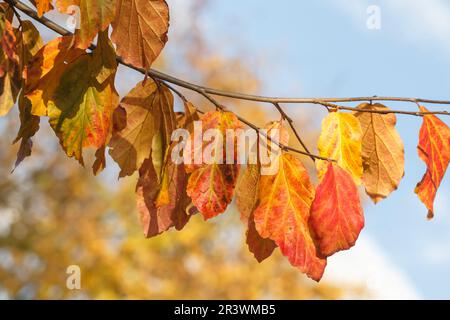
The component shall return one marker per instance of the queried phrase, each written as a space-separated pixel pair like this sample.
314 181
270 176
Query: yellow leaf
340 140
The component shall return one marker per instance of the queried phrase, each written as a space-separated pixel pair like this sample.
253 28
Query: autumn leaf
43 6
336 213
10 81
260 247
434 150
148 108
29 45
211 184
283 214
340 140
95 17
45 69
159 215
80 108
382 151
140 30
247 199
247 191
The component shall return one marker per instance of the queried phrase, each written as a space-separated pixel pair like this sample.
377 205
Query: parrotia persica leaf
247 191
158 216
434 150
260 247
140 30
340 140
382 152
336 213
147 112
10 80
45 69
43 6
211 184
247 199
80 106
283 214
29 124
95 17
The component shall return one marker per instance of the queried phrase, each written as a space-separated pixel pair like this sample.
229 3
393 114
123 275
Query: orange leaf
283 214
336 213
211 188
45 69
95 17
211 184
434 150
140 30
43 6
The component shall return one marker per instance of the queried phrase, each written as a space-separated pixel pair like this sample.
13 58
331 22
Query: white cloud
365 266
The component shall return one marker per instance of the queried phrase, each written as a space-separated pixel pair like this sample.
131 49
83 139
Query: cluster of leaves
72 83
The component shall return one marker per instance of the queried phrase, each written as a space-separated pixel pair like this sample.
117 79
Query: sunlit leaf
95 17
382 151
147 110
140 30
80 108
336 213
340 140
211 184
10 80
434 150
283 214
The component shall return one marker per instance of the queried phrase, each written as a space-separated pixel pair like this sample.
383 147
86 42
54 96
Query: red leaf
434 150
336 214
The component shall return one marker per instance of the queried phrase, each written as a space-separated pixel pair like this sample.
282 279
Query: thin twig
291 124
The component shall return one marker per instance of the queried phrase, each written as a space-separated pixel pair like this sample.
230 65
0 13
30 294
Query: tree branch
241 96
206 92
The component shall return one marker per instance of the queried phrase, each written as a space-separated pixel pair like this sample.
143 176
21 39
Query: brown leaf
149 110
260 247
140 30
382 152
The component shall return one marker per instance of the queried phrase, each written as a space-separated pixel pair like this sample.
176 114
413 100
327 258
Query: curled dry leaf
336 213
434 150
382 151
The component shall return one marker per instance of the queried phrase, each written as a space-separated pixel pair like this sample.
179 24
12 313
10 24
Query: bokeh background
54 213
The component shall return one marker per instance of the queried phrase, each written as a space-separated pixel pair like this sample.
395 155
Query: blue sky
323 48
